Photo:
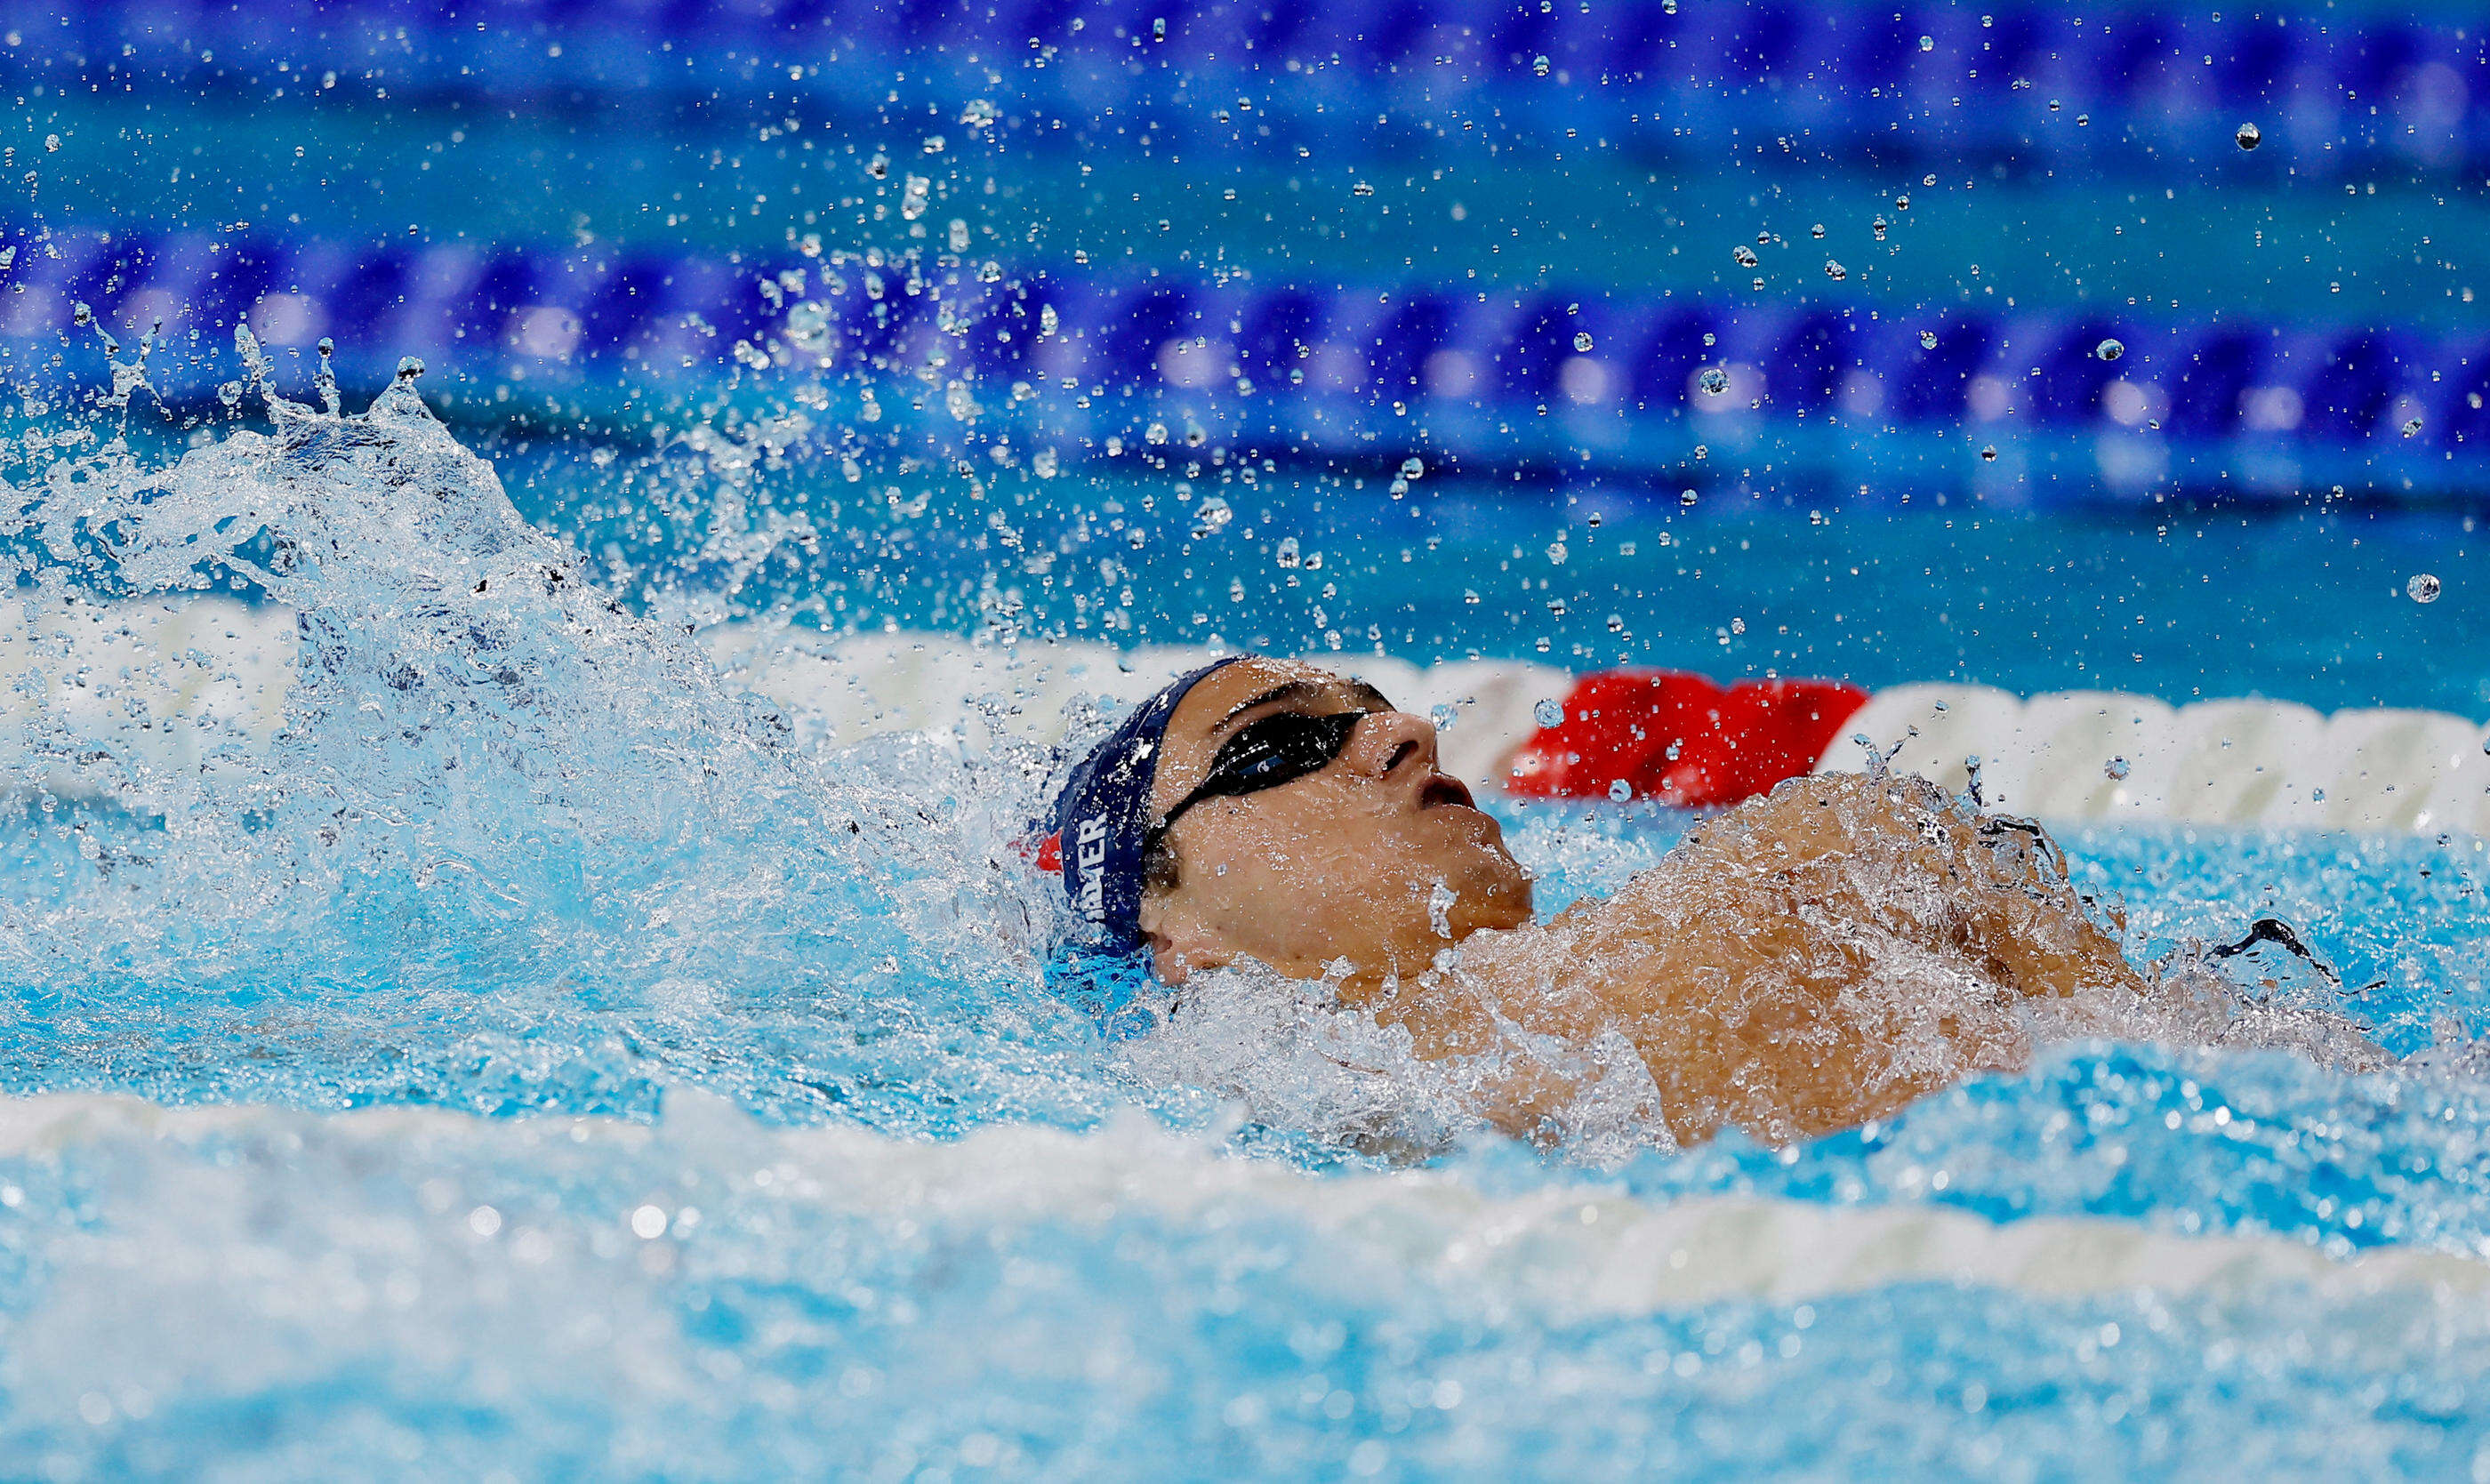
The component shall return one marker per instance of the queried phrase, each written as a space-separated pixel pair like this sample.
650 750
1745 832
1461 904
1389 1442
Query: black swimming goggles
1266 753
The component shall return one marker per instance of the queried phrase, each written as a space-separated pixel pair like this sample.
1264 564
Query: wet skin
1810 959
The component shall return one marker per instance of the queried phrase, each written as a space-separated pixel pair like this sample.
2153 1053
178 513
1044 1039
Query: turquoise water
519 858
539 1059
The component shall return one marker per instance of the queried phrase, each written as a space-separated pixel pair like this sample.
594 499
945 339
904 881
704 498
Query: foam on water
500 807
260 1293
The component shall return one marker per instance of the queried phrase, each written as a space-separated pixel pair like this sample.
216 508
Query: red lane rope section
1680 738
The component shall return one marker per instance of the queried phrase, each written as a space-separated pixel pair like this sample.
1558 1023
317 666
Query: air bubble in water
2110 349
1835 271
1927 339
1549 713
2115 768
1583 341
1619 791
2424 587
2249 136
1743 254
1713 381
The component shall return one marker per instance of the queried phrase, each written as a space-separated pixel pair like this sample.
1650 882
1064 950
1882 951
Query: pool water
534 1056
545 1066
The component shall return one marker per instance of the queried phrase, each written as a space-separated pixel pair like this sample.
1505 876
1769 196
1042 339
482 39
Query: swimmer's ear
1180 942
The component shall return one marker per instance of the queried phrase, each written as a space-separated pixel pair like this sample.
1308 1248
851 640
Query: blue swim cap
1101 821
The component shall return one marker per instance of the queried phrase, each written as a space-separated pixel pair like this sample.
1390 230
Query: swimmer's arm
1530 1079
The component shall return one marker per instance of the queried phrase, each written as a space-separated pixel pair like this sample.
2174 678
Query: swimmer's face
1375 857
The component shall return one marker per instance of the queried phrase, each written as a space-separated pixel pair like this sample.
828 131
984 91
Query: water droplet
1412 468
1668 7
2249 136
1470 597
2110 349
1211 516
1616 624
1902 202
1928 43
1556 553
1539 65
410 367
1713 381
1362 188
1583 341
1441 717
1701 452
1743 254
2412 426
1287 554
1835 271
51 143
1989 452
1879 227
1928 179
878 168
1927 339
2424 587
1686 499
1816 231
1710 340
80 315
1619 791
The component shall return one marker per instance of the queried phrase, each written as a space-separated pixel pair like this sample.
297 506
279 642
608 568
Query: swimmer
1808 961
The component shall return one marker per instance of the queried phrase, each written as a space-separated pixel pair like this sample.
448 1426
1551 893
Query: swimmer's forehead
1230 697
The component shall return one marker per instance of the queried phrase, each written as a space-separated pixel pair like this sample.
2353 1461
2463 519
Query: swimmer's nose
1386 740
